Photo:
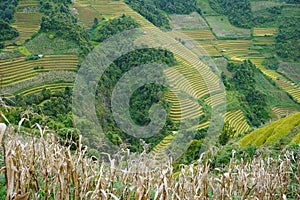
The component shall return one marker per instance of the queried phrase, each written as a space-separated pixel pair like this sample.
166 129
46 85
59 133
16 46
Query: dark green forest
252 100
142 99
7 32
150 12
177 6
288 39
238 12
157 11
100 32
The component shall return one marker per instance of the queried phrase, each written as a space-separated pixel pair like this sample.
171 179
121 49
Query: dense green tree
288 39
293 1
238 11
112 27
7 8
141 100
226 133
150 12
177 6
6 31
253 101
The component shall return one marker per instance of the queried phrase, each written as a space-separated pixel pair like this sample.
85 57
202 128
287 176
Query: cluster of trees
150 12
8 8
287 41
47 108
271 63
7 32
252 100
53 107
58 19
293 1
113 27
238 12
156 11
177 6
268 17
141 100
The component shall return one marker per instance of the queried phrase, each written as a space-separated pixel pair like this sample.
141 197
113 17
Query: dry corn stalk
41 168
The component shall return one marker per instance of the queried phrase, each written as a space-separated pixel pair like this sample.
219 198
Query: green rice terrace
232 93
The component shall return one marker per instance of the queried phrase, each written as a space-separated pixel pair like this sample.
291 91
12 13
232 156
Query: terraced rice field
193 79
50 86
184 110
20 70
27 23
263 41
264 31
209 47
28 3
237 121
260 5
86 14
286 85
9 49
112 9
188 80
159 151
272 132
193 85
215 100
199 47
234 48
282 111
198 34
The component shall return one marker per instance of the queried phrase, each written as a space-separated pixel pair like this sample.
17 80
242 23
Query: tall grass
42 168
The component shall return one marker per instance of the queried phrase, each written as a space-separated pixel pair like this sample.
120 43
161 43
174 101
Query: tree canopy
288 39
238 11
112 27
7 8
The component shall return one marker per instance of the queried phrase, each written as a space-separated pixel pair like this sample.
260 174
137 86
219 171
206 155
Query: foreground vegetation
41 168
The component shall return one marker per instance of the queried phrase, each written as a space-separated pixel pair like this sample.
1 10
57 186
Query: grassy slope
275 96
291 70
271 133
193 21
222 28
44 44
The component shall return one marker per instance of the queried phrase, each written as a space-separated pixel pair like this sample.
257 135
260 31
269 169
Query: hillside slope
286 128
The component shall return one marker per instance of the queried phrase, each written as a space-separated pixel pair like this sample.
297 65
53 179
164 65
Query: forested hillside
287 40
238 12
7 32
59 20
